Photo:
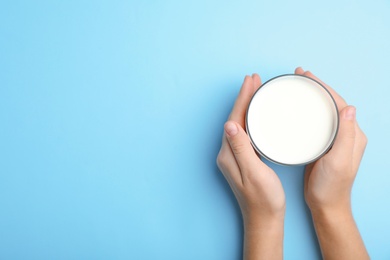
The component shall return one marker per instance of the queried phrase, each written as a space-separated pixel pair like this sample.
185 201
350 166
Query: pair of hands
327 185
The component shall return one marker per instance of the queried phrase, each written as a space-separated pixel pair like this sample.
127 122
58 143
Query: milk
292 120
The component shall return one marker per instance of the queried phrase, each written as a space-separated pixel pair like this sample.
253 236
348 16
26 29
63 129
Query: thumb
343 147
240 145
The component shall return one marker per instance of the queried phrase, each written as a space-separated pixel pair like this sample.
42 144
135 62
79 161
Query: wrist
332 215
338 234
262 213
263 236
253 222
340 206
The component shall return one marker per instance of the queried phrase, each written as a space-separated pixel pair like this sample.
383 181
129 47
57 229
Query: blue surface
112 112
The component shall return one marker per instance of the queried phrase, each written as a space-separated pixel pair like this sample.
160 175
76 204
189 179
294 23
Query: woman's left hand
257 188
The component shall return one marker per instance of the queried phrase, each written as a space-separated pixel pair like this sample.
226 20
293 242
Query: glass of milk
292 120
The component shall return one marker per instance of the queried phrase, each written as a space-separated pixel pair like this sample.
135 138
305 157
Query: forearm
263 238
338 235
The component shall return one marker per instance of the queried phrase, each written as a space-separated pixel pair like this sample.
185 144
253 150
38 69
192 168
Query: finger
256 81
226 149
299 71
339 100
241 104
341 104
343 147
246 157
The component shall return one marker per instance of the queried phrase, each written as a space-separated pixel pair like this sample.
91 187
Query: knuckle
364 139
222 159
238 148
361 135
252 178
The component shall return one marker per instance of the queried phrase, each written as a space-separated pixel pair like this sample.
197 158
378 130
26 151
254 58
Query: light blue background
111 115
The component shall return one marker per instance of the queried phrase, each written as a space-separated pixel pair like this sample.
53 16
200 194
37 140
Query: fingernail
231 129
350 113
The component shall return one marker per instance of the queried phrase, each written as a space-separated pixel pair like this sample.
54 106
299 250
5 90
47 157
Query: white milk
292 120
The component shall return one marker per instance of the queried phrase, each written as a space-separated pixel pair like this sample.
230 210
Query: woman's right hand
328 185
329 180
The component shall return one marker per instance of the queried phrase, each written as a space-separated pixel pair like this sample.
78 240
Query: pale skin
328 184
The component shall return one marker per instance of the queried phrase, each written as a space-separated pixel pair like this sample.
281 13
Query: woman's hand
328 185
257 188
328 181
